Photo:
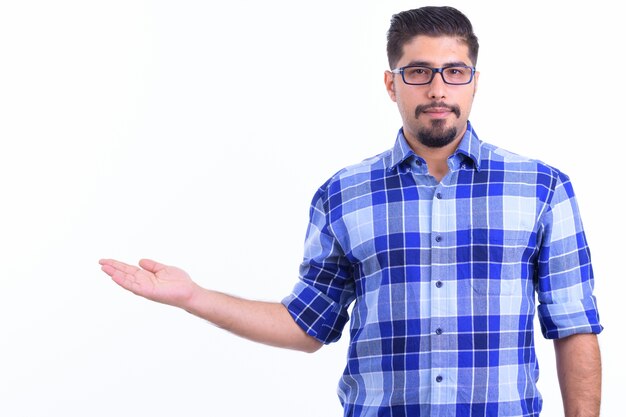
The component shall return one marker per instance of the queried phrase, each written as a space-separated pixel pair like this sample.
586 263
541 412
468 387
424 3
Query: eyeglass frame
434 72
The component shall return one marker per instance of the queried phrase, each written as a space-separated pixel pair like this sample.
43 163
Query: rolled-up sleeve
320 299
564 273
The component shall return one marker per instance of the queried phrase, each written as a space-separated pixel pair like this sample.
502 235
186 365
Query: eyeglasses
421 75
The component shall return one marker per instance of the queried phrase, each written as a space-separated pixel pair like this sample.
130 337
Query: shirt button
439 331
438 284
439 378
439 196
438 239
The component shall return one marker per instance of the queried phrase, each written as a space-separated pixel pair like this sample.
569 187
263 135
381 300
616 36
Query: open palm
152 280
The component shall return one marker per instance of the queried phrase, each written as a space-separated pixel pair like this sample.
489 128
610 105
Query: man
441 243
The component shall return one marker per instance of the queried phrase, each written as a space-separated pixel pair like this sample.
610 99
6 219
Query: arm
568 310
264 322
580 374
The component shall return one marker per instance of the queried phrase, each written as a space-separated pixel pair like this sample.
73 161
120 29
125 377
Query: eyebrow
429 64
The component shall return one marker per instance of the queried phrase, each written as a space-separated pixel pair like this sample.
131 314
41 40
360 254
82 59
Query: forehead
435 51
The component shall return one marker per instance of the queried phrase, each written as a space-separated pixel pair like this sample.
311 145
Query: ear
389 85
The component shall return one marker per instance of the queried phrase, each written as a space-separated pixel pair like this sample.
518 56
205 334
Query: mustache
423 107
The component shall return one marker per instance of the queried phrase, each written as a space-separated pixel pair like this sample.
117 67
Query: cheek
406 107
406 101
466 104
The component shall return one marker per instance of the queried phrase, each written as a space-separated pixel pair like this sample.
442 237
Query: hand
154 281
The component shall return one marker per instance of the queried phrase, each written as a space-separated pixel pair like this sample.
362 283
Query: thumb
151 266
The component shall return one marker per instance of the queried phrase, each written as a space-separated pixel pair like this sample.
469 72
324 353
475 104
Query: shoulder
499 159
362 172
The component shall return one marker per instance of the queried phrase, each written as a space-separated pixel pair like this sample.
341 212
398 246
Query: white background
161 129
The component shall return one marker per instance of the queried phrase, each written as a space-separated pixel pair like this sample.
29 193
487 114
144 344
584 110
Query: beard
437 136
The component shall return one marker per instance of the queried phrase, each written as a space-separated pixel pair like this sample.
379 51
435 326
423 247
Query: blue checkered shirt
443 277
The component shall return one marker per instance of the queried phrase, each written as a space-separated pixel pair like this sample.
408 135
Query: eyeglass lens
424 75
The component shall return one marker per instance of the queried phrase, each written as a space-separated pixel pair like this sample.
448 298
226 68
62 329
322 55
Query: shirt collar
469 147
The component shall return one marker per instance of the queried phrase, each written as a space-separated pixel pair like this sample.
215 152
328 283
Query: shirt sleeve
564 274
320 299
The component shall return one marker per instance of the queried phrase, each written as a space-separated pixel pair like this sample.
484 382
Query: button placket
439 308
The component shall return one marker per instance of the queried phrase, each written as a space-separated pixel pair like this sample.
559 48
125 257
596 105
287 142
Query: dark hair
429 21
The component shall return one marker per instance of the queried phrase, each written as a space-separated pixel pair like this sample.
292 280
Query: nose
437 88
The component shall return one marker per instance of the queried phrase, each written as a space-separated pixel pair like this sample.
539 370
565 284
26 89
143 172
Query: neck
436 158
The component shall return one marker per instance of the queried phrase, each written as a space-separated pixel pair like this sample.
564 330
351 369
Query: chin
437 137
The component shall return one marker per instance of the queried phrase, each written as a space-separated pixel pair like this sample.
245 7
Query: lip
438 112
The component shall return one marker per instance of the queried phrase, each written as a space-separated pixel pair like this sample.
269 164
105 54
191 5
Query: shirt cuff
316 313
565 319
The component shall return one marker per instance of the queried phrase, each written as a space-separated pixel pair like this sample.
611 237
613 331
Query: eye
416 71
457 71
417 75
457 75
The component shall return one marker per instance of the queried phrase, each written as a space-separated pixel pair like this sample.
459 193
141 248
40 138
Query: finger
120 266
117 274
134 282
108 269
151 266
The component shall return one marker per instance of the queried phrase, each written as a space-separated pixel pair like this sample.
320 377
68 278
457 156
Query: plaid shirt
443 277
